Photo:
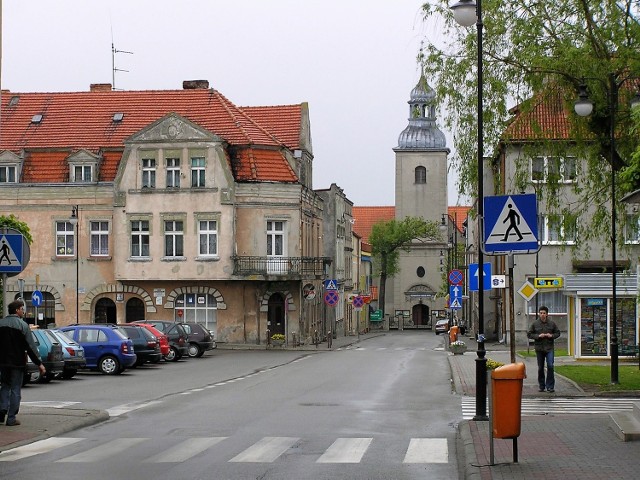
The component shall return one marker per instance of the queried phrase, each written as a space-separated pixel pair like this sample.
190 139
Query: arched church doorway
420 316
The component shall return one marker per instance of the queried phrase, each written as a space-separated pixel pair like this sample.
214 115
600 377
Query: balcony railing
292 266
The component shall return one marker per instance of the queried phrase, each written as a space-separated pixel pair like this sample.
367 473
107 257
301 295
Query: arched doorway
105 311
276 314
420 316
134 310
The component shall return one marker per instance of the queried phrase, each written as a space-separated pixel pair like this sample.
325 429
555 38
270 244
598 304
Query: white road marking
103 452
266 450
346 450
427 450
185 450
36 448
129 407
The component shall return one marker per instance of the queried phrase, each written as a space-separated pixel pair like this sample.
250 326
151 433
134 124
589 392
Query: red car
162 338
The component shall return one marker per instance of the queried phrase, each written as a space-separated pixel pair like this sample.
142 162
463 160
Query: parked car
163 341
72 353
442 326
145 344
178 338
200 339
50 350
106 347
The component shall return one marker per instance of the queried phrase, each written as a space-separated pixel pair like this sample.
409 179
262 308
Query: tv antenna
113 64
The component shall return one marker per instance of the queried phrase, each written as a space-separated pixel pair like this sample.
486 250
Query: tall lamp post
74 220
583 107
466 13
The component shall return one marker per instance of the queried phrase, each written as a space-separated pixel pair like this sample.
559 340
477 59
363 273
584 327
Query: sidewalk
549 446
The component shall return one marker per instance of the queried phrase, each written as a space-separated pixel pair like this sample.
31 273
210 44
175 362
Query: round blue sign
37 298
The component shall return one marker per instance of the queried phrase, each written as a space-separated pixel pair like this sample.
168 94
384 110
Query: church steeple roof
422 132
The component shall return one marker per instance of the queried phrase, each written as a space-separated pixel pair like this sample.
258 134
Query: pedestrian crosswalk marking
36 448
427 450
346 450
559 406
103 452
129 407
185 450
266 450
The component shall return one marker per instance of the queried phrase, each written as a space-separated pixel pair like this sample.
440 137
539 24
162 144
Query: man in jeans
16 339
543 332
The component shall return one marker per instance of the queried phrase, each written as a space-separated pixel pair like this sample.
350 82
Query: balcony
284 267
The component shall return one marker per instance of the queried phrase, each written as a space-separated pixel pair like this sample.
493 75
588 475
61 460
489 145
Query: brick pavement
550 446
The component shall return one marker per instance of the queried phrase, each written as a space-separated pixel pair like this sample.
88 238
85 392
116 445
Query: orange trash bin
453 333
506 395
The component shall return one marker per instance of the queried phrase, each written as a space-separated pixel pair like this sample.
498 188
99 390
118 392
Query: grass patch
598 377
558 352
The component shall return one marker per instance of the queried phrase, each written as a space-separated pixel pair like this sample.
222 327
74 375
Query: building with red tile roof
185 206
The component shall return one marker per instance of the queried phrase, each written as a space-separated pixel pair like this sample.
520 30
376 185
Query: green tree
528 47
388 237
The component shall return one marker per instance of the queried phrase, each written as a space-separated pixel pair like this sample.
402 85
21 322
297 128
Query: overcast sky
354 61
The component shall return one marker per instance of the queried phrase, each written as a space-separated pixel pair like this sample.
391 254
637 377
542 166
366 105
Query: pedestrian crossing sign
11 253
510 224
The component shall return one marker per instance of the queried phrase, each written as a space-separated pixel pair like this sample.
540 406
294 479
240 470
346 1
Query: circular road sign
331 298
309 291
37 298
456 277
358 301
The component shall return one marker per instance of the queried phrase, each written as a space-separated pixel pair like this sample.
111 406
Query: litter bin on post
453 333
506 403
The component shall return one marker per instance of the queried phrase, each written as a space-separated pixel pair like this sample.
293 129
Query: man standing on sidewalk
16 339
543 332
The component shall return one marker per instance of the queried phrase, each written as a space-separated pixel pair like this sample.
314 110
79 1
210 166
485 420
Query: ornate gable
173 128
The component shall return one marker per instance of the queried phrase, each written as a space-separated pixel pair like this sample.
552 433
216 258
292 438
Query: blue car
50 350
106 347
73 354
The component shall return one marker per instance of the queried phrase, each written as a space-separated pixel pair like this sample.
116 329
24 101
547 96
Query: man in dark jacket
543 332
16 340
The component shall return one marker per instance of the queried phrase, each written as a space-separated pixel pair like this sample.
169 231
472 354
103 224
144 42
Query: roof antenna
113 63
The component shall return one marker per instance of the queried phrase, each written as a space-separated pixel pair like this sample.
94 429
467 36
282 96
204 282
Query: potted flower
277 339
458 347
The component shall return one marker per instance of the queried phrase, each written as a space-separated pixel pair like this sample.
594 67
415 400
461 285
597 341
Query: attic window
14 101
118 116
37 118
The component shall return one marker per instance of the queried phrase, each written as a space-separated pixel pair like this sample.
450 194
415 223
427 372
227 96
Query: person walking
543 332
16 339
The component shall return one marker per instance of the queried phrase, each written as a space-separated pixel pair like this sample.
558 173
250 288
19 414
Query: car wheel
194 350
47 377
200 353
109 365
172 356
69 373
35 376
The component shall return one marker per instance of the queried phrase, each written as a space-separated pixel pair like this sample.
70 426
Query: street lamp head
464 12
583 106
74 215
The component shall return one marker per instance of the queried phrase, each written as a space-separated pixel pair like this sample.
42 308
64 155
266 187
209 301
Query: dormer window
10 167
8 173
82 173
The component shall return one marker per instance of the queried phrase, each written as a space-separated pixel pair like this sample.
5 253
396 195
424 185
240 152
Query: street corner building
165 204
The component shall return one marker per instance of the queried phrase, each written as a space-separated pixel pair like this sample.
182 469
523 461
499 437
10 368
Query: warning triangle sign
456 303
7 255
511 227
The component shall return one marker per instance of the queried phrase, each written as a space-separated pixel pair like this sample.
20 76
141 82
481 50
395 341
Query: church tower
421 191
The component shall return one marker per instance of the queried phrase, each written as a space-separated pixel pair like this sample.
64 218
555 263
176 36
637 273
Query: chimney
100 87
195 84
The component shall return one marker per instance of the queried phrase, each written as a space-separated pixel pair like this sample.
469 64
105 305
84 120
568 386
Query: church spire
422 132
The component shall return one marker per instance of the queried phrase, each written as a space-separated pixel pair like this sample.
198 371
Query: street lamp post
75 220
466 13
583 107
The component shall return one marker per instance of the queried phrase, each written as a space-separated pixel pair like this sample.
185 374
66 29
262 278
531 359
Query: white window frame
173 233
561 240
138 236
8 174
173 172
632 229
546 169
65 239
198 176
85 171
276 246
149 173
208 238
99 231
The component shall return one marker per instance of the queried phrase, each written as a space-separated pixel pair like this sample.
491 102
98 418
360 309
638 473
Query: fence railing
303 266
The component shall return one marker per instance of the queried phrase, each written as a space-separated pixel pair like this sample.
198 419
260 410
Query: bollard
329 339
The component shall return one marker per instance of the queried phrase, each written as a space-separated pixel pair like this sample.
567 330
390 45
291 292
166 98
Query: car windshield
68 336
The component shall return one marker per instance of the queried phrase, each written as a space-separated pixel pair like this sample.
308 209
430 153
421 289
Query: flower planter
277 343
458 349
